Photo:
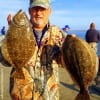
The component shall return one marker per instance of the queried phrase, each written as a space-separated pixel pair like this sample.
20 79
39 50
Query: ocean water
81 34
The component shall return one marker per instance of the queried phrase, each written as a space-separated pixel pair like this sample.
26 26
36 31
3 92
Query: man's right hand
9 19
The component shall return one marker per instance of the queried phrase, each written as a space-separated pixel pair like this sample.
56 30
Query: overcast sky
78 14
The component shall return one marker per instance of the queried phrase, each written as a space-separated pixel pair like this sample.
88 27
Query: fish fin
19 75
83 96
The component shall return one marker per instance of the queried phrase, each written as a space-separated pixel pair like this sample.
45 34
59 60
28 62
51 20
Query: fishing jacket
41 80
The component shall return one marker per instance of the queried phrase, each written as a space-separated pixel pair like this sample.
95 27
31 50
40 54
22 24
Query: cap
67 26
41 3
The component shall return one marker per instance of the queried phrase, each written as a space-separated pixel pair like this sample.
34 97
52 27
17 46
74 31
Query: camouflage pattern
18 45
32 86
80 60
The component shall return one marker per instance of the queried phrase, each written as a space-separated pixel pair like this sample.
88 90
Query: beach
68 90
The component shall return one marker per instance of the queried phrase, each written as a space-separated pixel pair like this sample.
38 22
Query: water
79 33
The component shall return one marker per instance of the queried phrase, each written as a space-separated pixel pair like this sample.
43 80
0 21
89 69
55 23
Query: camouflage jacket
38 83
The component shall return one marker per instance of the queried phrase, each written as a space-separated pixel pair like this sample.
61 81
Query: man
3 31
41 79
66 28
93 37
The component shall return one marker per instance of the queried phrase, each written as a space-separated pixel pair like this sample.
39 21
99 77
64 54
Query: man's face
39 16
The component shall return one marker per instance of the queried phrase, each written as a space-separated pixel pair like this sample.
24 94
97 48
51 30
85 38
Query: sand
68 90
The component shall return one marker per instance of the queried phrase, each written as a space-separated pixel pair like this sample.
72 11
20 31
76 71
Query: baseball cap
41 3
67 26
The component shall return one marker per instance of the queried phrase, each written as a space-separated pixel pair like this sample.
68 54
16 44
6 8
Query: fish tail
84 95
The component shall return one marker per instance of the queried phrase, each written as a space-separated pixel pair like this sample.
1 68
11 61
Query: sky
78 14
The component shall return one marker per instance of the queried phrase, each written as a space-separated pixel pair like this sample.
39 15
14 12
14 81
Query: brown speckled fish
81 62
18 45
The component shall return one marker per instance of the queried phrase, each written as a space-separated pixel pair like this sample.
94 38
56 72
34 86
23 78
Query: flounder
19 43
81 62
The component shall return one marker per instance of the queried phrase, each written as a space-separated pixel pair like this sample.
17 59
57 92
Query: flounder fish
81 62
19 43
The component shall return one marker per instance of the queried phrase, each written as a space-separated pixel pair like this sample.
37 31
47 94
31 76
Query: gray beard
38 23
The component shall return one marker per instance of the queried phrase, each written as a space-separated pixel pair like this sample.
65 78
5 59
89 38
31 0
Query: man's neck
38 29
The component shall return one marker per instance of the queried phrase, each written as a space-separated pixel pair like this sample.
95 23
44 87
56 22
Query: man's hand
9 19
